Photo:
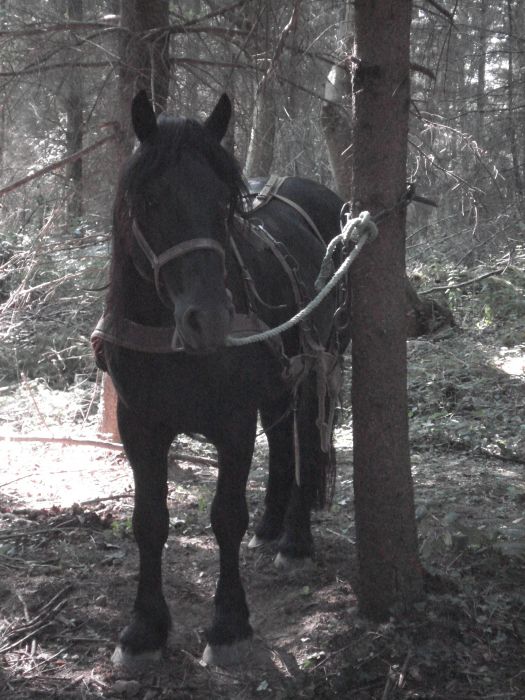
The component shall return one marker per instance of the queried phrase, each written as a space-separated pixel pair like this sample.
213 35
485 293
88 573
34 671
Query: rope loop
350 234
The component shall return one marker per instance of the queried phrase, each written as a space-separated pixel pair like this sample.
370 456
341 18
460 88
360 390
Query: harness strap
162 339
176 251
271 191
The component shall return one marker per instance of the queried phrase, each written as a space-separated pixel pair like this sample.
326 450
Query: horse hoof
256 542
285 563
135 662
226 654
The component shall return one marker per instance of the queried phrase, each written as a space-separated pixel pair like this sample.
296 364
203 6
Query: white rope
357 230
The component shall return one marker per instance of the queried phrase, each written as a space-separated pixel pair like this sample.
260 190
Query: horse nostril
191 319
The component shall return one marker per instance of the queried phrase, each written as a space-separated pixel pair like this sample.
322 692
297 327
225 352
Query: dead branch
24 533
41 621
459 285
57 164
33 30
419 68
115 446
442 10
44 68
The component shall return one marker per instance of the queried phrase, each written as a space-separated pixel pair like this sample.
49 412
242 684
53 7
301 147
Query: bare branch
442 10
418 68
103 444
459 285
57 164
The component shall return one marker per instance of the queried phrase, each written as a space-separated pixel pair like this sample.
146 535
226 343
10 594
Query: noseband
176 251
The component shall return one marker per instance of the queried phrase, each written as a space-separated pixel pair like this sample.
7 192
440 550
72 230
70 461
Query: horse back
320 204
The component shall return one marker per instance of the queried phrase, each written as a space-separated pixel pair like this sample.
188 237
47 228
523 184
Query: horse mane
173 136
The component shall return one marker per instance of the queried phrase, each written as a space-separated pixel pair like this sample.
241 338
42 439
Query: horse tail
315 460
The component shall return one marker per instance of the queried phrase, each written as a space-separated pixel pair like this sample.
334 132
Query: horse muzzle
202 330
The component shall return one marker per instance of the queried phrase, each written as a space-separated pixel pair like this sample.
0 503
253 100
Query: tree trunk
423 316
335 118
75 125
262 137
513 139
481 97
143 60
390 574
144 64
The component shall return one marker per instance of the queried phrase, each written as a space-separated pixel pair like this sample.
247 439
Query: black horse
191 267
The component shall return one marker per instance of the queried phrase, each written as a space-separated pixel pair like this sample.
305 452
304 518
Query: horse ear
217 122
143 117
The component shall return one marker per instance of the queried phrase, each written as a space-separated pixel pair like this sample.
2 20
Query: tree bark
335 116
390 574
262 137
75 125
513 139
423 316
481 97
143 60
144 65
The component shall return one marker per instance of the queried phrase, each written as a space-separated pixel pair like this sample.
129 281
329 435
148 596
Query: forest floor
68 562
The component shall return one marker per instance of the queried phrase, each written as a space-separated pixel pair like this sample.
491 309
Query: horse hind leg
308 487
290 496
143 639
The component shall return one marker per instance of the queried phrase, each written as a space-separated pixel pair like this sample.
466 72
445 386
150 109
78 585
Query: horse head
182 188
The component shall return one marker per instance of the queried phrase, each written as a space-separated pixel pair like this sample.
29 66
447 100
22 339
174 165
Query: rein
358 230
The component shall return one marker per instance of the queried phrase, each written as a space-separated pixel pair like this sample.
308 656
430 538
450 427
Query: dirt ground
68 562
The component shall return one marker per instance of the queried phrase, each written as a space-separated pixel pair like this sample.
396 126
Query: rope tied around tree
358 230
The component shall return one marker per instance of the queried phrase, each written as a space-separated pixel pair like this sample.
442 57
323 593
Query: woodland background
58 81
61 70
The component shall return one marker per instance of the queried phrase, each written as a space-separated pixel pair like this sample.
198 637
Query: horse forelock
173 137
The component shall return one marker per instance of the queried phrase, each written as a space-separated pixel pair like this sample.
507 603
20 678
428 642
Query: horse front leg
147 450
230 634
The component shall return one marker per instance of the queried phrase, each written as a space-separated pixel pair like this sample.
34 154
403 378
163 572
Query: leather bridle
176 251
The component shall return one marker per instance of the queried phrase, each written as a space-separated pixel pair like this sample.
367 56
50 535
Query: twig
13 534
446 287
340 534
442 10
422 69
40 622
57 164
101 499
117 447
13 645
403 671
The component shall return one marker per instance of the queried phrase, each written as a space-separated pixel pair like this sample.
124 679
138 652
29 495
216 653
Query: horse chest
191 392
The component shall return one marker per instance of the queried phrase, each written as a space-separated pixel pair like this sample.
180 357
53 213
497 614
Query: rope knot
355 228
352 231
